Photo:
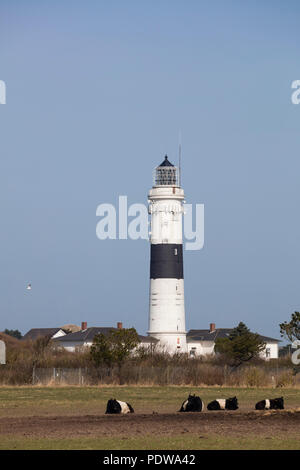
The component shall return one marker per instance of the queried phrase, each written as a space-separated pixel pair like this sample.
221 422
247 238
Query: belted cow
193 403
223 404
270 404
115 406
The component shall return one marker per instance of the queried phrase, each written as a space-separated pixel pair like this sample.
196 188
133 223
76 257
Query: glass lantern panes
166 176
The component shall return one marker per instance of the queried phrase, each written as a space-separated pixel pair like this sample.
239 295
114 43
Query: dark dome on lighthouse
166 162
166 174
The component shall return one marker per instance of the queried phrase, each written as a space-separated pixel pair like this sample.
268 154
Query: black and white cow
223 404
193 403
115 406
271 404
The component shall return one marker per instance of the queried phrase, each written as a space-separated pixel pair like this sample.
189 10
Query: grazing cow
115 406
272 404
223 404
193 403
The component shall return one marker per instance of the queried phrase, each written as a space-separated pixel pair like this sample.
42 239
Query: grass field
150 442
73 418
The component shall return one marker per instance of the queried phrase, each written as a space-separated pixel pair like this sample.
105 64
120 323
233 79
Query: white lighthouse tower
166 306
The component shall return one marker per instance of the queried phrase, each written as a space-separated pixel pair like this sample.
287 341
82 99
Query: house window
268 352
193 352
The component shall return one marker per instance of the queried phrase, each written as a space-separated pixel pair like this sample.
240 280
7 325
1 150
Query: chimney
212 327
119 325
84 325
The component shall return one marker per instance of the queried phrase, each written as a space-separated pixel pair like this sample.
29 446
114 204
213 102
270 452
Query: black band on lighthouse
166 261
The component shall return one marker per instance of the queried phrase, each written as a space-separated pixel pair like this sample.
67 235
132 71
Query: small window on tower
175 251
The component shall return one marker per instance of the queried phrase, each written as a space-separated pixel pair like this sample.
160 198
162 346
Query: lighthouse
166 302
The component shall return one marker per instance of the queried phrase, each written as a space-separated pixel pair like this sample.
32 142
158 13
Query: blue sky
97 92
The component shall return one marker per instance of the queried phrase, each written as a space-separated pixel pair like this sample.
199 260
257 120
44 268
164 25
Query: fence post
54 374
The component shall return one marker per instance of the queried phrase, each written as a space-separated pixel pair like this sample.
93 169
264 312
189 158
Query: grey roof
35 333
206 335
88 335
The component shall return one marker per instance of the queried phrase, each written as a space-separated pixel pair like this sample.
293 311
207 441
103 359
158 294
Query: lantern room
166 174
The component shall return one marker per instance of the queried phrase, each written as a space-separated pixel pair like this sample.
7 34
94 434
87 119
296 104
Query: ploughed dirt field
265 423
74 418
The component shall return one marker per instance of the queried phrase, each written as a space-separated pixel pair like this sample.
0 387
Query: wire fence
204 374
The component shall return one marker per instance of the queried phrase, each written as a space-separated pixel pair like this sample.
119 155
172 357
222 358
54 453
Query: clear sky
97 92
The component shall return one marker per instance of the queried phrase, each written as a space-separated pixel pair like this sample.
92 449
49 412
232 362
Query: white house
202 342
84 337
199 342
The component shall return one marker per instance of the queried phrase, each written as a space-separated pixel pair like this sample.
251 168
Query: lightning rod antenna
179 158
